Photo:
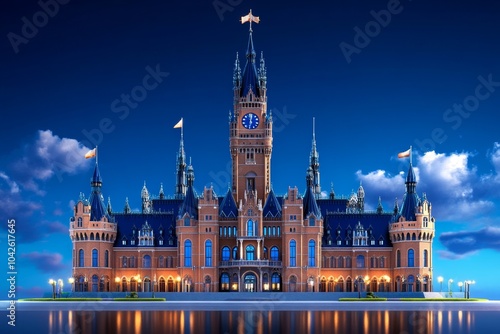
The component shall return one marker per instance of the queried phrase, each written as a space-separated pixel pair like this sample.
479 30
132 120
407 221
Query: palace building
250 239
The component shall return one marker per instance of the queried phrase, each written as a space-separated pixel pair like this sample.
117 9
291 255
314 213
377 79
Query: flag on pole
405 154
250 18
178 125
90 154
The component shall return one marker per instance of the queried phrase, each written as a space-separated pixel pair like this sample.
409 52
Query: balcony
250 263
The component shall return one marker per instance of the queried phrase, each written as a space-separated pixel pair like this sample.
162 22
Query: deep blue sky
394 91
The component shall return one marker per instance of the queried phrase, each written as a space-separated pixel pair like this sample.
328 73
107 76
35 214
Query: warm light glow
71 280
178 278
440 279
51 281
117 279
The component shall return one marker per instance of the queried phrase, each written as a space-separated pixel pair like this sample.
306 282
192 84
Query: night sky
378 76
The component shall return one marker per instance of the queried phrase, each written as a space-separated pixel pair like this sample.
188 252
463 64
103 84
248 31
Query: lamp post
178 283
53 283
71 281
460 284
60 283
449 287
154 284
440 280
117 281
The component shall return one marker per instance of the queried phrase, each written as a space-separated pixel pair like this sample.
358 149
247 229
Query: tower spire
180 186
314 163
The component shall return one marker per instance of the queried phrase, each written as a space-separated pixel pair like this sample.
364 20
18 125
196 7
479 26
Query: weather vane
250 18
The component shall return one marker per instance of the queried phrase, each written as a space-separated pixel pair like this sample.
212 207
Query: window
426 222
398 258
106 258
146 261
95 258
311 258
251 183
250 252
208 253
124 262
360 261
132 262
411 258
275 282
81 258
161 262
80 223
275 253
250 228
225 253
224 282
312 221
265 231
426 264
382 262
187 221
279 231
235 253
293 253
187 253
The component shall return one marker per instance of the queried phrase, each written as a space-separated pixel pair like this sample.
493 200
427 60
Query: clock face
250 121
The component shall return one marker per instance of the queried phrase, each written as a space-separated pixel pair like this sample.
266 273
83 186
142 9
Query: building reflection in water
260 322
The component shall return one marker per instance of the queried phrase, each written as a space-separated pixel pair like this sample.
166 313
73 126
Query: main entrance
250 283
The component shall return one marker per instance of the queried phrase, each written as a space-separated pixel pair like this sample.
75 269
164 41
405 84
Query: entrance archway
250 282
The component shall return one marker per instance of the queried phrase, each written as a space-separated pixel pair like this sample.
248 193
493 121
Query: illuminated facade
250 239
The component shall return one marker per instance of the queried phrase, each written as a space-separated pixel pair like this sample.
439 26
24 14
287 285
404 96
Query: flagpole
182 128
410 154
96 155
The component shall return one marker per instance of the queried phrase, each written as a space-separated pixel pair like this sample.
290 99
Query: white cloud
452 185
49 156
14 188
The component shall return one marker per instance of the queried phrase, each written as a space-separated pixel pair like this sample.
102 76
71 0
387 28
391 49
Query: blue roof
339 226
310 205
162 224
227 207
96 201
250 79
272 207
190 204
410 199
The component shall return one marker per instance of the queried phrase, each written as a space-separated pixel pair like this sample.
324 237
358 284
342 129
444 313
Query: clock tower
250 126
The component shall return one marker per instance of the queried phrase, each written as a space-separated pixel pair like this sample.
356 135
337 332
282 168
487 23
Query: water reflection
260 322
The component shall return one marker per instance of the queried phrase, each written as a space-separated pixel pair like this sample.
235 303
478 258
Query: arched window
235 253
275 282
161 261
265 253
92 236
224 282
208 253
426 222
311 258
95 283
146 261
81 258
411 258
360 261
226 253
106 258
187 221
250 228
80 222
95 258
187 254
250 250
293 253
275 253
398 258
426 264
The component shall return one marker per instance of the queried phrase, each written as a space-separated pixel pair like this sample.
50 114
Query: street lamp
440 280
53 283
117 281
60 283
71 281
460 284
449 287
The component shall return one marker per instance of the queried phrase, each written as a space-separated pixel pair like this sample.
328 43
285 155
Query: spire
262 71
126 208
237 73
180 187
309 202
314 163
161 193
410 199
146 202
109 209
332 193
228 208
190 203
97 211
272 207
250 78
380 208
